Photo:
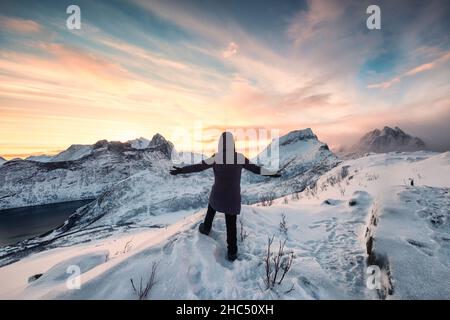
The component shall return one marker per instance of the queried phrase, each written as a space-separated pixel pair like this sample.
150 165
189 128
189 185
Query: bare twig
290 290
267 199
267 263
286 266
142 291
127 246
243 233
276 264
283 224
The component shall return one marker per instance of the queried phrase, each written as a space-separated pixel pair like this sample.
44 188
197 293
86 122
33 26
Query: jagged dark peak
100 144
160 143
388 139
158 139
114 146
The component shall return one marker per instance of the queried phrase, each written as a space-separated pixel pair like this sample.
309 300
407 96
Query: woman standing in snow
226 192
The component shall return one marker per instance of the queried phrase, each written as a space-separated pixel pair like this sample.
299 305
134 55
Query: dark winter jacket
227 165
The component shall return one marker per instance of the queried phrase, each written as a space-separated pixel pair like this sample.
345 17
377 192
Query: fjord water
26 222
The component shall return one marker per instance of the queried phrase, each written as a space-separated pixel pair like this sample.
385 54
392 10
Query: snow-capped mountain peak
388 139
299 145
74 152
297 135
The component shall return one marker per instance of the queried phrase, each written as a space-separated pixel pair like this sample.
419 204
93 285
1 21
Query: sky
136 68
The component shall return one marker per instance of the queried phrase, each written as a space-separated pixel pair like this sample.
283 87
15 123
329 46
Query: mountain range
132 184
80 172
88 171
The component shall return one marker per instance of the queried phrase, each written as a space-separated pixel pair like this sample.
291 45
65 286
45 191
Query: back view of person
226 192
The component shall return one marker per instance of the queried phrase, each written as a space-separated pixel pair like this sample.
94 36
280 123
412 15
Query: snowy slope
2 161
407 231
328 231
360 213
193 266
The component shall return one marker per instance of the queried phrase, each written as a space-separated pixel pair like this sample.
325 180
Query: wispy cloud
412 72
18 25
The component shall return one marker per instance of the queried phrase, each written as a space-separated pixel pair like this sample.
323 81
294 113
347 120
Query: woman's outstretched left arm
250 166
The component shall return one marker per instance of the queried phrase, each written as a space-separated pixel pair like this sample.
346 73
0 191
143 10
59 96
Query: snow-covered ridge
40 158
2 161
78 151
74 152
93 170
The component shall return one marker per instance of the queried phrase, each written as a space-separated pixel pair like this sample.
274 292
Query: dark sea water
26 222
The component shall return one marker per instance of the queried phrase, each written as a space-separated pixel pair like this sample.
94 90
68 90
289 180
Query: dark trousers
230 220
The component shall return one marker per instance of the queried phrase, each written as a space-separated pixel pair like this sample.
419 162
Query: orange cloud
18 25
70 67
419 69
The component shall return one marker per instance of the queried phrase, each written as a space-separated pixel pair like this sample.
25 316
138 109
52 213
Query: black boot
202 229
232 256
